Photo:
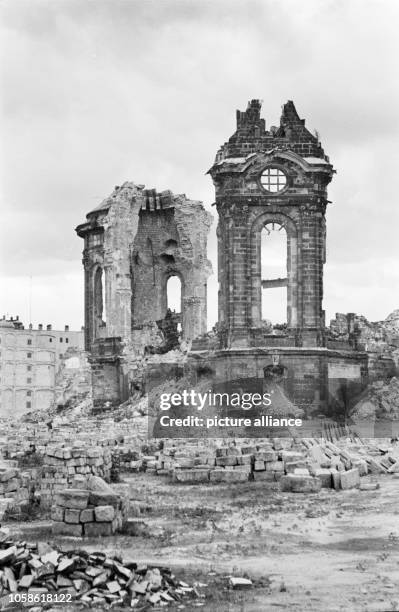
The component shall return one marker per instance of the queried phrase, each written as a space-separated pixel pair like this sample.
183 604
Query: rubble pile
92 508
39 573
16 488
380 401
380 339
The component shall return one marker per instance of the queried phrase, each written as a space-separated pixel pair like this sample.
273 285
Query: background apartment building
29 361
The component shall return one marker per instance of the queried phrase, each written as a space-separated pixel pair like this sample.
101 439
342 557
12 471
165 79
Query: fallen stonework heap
34 574
299 465
16 488
90 509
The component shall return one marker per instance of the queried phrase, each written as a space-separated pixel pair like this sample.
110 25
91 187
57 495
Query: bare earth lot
329 551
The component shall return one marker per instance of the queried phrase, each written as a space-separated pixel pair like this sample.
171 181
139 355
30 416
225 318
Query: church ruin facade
266 181
276 181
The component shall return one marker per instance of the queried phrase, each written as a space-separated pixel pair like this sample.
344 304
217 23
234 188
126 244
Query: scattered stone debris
379 401
95 579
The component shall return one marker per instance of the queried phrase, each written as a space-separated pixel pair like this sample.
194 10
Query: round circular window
273 180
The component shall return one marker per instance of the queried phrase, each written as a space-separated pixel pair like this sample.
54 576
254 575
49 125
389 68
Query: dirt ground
324 552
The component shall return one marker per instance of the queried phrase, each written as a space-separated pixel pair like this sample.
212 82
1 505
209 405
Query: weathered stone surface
194 475
228 460
350 479
274 466
93 530
268 476
297 483
87 515
57 513
104 513
325 476
66 529
73 498
72 515
98 498
228 475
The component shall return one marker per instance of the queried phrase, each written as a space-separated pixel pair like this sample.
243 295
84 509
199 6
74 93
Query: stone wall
61 465
91 509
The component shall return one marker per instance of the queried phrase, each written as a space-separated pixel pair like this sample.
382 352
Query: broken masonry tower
268 181
136 240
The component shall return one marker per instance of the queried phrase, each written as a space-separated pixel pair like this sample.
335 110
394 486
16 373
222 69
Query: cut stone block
98 498
72 515
266 455
350 479
228 476
336 479
93 530
228 460
267 476
73 498
325 477
87 516
244 459
57 513
104 513
194 475
67 529
297 483
274 466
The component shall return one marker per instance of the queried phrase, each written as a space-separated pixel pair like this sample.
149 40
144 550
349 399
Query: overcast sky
95 93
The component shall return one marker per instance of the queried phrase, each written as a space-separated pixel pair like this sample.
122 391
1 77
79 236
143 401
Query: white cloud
96 93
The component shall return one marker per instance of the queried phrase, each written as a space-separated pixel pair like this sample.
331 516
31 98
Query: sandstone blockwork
135 241
275 180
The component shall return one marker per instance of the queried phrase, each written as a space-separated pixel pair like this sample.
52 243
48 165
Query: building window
28 380
29 393
60 339
67 340
29 368
50 339
29 355
28 404
273 180
29 341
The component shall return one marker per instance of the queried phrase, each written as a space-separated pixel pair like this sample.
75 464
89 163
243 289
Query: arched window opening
274 273
99 301
173 293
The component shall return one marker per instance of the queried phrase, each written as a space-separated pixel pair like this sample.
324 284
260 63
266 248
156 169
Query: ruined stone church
136 240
